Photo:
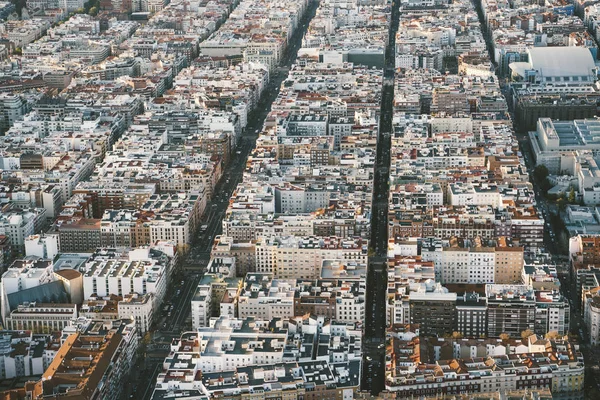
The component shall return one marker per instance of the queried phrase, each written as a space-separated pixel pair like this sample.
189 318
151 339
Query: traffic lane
150 388
176 307
375 335
181 303
181 296
187 308
176 299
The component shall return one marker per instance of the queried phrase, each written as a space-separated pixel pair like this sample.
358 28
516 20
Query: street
174 320
232 175
373 373
556 245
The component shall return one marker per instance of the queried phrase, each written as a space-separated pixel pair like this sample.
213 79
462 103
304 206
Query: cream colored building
139 308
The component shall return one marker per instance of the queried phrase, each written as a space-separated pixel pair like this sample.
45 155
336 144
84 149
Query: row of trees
540 174
90 7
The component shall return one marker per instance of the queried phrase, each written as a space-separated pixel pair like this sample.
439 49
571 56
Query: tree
143 345
541 173
18 51
457 335
552 335
526 333
504 337
561 202
571 196
93 11
20 4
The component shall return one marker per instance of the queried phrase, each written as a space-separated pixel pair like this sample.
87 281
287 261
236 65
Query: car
238 152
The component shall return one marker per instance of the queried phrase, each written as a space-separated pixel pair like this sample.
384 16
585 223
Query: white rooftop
557 61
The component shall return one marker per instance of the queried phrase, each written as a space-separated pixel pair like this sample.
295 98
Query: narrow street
373 375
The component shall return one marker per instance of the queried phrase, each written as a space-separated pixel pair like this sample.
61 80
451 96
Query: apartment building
265 297
110 351
292 257
511 309
143 271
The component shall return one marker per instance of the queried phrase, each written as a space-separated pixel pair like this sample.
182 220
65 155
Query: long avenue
373 377
199 254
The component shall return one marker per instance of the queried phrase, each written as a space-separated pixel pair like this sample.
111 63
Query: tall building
511 309
471 315
12 108
82 236
23 275
22 354
19 224
302 258
140 309
42 246
434 311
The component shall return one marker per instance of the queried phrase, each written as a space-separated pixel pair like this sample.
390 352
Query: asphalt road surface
373 373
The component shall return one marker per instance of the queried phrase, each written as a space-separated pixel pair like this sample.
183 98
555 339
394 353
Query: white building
20 224
217 291
178 216
24 274
462 194
292 199
587 173
21 354
266 298
142 270
466 265
556 69
591 314
228 344
71 5
302 258
139 308
554 143
201 305
350 302
42 246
